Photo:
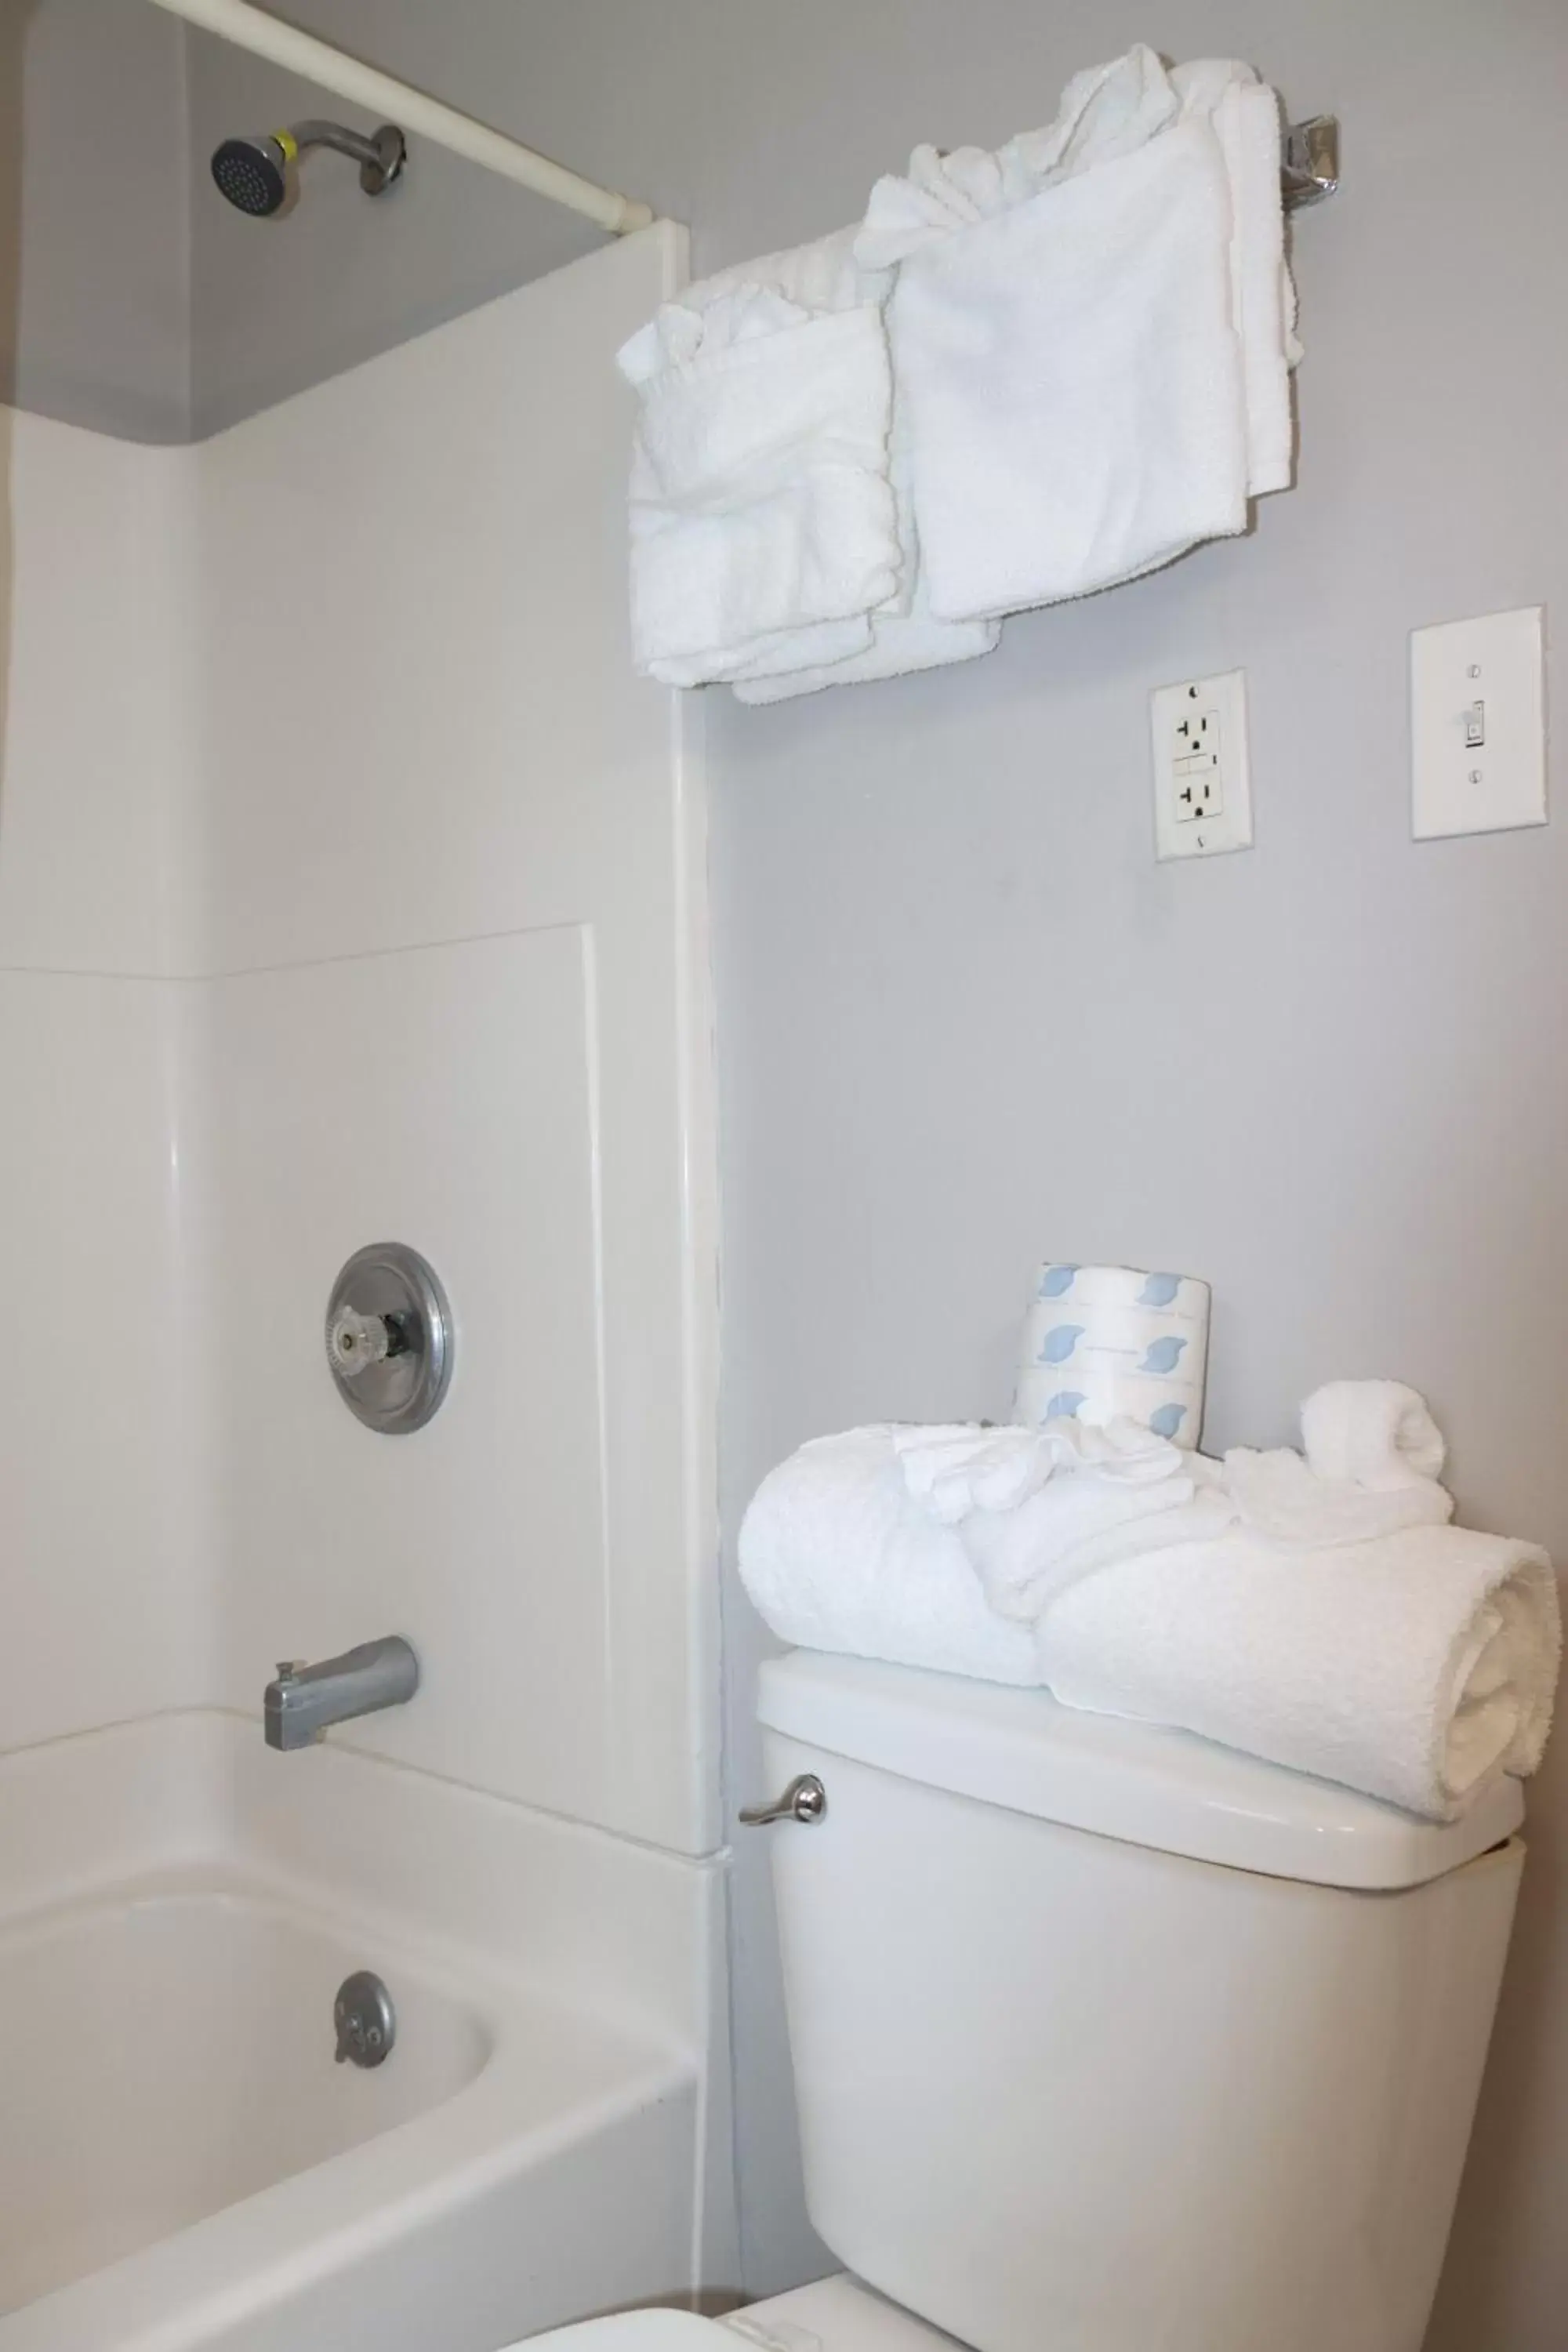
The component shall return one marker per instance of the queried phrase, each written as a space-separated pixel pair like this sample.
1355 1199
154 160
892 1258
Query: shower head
257 175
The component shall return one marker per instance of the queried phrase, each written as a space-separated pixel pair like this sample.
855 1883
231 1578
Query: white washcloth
837 1554
1375 1434
1418 1668
773 530
1372 1454
1069 328
1280 1497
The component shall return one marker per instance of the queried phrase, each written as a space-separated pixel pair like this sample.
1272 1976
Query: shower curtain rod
318 61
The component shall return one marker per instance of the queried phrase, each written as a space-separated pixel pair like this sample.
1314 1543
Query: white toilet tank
1106 2040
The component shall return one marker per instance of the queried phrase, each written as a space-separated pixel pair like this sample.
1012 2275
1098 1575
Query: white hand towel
1373 1433
759 498
1418 1668
773 533
837 1554
900 637
1037 1507
1089 336
963 1467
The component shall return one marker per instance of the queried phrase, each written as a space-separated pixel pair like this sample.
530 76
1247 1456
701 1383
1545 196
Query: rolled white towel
1418 1668
837 1554
1371 1433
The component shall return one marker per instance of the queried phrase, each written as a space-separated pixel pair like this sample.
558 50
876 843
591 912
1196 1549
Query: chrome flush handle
805 1800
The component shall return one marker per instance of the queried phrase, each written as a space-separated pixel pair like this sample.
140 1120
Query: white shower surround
351 887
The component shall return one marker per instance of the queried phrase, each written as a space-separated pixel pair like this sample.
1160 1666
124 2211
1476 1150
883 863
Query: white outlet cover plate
1177 833
1499 662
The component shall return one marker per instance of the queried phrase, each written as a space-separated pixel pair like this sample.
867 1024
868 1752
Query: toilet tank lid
1167 1789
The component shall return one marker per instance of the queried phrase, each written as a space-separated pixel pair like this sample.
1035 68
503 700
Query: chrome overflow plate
389 1338
363 2019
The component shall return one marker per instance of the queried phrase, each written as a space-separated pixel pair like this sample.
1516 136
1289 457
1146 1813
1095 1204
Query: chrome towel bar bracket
1312 166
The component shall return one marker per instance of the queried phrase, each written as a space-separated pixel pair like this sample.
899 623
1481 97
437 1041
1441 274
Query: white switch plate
1202 792
1477 725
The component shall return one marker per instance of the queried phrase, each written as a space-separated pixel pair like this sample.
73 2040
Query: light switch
1477 725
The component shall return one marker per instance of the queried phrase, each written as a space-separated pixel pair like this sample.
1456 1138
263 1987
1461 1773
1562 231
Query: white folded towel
837 1554
1069 328
1418 1668
773 533
760 501
1375 1434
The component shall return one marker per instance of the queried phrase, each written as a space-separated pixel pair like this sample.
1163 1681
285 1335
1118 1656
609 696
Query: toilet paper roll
1104 1340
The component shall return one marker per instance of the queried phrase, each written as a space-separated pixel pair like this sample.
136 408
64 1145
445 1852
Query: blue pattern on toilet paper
1163 1355
1057 1281
1167 1419
1160 1290
1064 1405
1059 1342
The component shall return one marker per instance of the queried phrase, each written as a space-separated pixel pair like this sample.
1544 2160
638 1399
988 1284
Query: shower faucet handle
357 1341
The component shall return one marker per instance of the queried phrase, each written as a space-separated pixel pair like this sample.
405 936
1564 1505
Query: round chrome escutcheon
389 1338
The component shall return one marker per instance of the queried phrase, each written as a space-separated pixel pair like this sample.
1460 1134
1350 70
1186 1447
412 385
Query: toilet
1105 2038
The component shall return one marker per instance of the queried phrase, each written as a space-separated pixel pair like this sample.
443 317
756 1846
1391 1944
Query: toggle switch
1477 725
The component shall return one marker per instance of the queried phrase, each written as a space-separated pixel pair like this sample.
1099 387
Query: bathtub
184 2164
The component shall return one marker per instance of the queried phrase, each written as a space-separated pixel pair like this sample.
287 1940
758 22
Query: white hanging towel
1418 1668
772 544
1086 337
1245 116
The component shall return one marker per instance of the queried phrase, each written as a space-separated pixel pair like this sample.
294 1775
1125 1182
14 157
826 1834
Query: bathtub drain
364 2018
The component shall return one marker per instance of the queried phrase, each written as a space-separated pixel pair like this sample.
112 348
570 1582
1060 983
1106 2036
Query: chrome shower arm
337 135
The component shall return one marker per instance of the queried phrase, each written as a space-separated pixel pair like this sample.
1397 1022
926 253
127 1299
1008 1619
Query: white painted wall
95 225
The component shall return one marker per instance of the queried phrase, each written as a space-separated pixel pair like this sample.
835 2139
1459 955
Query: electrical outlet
1203 800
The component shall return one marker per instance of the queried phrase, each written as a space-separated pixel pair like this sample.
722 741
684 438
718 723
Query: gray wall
965 1020
95 217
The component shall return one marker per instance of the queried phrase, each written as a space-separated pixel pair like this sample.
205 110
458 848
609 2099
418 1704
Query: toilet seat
832 2315
640 2331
